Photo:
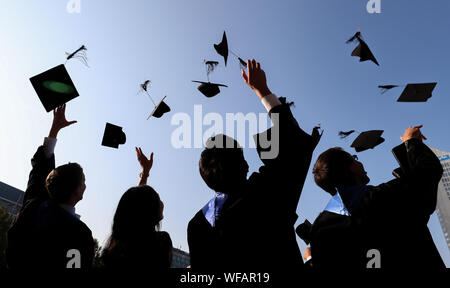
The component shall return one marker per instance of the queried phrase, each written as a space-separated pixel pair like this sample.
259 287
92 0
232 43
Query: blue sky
301 45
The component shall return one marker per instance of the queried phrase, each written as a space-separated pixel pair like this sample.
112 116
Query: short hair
331 169
222 163
63 180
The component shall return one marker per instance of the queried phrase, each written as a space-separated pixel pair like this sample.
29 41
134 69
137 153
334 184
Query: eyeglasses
355 157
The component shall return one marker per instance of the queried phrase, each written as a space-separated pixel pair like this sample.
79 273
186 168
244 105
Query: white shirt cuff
49 146
309 258
270 101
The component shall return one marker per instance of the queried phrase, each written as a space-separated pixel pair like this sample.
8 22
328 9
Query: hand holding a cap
256 78
59 121
413 132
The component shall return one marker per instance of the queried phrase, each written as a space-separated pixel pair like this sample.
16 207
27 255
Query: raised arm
425 170
416 190
146 165
43 161
290 147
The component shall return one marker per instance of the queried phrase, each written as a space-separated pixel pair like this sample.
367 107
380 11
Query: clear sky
301 45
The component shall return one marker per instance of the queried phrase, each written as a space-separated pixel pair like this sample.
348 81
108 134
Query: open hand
59 121
256 78
413 132
145 163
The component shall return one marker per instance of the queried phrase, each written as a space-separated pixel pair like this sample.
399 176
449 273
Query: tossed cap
417 92
368 140
209 89
113 136
362 50
54 87
160 109
222 47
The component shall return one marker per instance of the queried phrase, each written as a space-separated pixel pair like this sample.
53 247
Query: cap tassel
144 87
385 88
79 54
344 135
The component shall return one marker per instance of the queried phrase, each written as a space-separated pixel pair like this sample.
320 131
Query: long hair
137 216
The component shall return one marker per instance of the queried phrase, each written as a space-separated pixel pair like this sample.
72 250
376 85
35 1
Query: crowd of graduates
250 221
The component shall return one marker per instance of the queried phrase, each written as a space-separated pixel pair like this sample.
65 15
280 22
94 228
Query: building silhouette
443 200
180 259
11 198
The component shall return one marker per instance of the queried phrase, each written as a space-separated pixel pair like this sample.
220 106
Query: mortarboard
362 50
368 140
304 231
159 109
113 136
222 49
207 88
54 87
418 92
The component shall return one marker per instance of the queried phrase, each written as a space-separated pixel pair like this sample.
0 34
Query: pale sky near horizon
300 44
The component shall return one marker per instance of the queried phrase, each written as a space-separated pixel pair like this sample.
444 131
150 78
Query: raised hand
256 78
145 162
413 132
59 121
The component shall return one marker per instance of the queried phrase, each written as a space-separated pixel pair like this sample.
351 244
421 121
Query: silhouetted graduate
418 92
362 50
54 86
207 88
391 217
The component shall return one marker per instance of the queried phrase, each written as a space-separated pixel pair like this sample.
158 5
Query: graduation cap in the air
54 87
362 50
113 136
418 92
365 140
159 109
207 88
304 231
222 49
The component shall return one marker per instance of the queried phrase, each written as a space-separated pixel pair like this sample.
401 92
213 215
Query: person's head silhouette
222 164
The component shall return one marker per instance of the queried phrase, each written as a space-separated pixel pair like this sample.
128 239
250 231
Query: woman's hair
63 180
331 169
137 214
135 233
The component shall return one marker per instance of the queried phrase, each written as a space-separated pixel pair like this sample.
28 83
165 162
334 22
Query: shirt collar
70 210
336 205
213 209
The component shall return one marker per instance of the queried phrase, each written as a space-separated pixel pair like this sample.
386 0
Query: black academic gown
44 232
391 217
256 226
